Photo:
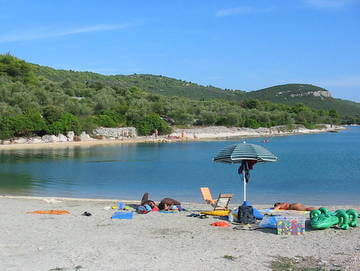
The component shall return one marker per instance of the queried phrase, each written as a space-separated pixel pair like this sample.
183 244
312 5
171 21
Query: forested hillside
37 100
292 94
156 84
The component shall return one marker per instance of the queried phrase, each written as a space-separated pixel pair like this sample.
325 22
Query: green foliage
28 124
87 123
251 104
67 122
6 128
104 121
16 69
150 123
35 100
251 123
52 113
292 94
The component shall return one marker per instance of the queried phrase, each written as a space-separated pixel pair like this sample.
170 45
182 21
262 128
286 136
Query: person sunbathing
145 201
292 206
167 204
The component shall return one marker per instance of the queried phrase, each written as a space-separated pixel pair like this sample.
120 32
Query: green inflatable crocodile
324 219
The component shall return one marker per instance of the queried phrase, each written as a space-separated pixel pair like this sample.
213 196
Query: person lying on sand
292 206
167 204
147 205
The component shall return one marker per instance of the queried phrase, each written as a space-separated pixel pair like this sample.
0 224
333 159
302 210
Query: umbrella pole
244 180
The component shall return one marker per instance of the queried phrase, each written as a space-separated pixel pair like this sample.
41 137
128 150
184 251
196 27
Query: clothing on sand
50 212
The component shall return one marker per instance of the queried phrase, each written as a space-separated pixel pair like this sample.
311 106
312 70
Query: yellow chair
221 203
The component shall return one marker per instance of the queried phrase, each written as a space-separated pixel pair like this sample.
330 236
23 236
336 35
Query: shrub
152 122
67 122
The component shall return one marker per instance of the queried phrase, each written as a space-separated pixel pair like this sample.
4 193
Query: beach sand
153 241
178 135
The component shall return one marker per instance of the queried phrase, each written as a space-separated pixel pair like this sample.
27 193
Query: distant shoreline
181 135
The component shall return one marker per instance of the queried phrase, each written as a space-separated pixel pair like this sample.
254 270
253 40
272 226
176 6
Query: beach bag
246 215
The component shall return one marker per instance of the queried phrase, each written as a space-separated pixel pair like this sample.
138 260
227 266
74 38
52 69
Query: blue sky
244 44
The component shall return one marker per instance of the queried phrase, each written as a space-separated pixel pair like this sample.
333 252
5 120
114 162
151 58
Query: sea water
313 169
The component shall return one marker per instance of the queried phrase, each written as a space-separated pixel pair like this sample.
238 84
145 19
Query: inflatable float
216 212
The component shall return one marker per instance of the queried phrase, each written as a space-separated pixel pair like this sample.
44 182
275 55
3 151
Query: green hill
38 100
309 95
156 84
289 94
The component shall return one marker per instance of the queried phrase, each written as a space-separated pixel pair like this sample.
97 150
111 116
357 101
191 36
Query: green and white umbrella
247 155
239 152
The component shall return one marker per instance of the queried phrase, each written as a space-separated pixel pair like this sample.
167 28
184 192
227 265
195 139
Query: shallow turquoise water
314 169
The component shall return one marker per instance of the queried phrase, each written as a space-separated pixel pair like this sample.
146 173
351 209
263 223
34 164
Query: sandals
201 216
86 214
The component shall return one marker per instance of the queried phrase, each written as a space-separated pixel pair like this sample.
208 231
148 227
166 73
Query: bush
6 128
152 122
67 122
28 124
251 123
17 69
104 121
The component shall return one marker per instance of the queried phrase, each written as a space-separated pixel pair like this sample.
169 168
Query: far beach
181 134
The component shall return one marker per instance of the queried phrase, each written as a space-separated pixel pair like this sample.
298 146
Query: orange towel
51 212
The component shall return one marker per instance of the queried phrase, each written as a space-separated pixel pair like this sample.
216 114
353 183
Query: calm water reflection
318 169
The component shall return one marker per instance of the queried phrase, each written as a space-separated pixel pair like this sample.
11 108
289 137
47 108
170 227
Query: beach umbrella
247 155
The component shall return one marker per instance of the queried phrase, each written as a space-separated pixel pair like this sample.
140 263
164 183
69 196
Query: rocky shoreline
129 135
218 132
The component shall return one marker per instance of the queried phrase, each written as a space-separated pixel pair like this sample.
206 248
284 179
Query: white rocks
50 138
70 136
115 132
35 140
62 138
20 140
84 137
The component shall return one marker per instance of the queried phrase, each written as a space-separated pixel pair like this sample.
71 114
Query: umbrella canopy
239 152
247 155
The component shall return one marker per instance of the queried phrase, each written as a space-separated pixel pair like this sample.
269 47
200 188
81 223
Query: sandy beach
155 241
180 135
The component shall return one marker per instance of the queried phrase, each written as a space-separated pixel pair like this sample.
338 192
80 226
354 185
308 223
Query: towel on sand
51 212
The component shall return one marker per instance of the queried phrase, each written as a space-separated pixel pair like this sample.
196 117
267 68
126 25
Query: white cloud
327 3
45 33
241 10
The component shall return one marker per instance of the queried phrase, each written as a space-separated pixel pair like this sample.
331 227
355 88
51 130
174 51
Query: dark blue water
314 169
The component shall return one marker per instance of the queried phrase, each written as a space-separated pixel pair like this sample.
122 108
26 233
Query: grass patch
76 268
229 257
298 263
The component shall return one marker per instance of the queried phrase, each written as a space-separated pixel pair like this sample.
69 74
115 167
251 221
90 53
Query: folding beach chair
221 203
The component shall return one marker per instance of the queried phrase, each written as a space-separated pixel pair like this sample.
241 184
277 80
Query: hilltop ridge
289 94
38 100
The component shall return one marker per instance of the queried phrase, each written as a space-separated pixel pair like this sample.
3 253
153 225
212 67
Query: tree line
34 105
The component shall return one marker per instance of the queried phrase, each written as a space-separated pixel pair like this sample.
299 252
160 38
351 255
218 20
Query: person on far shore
292 206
